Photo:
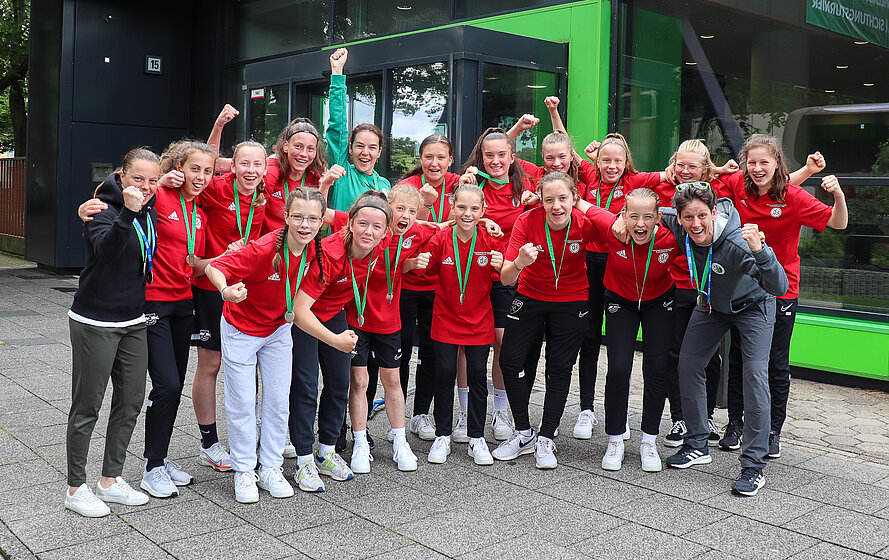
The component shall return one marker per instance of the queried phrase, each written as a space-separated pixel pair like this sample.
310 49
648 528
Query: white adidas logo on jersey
275 277
231 206
173 216
278 194
622 253
448 260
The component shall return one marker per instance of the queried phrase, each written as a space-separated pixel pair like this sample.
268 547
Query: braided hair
308 194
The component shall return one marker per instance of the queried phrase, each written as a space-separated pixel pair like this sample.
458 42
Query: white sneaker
461 430
516 445
583 428
177 475
614 456
404 456
503 427
84 502
122 493
289 451
423 427
478 450
157 482
361 458
245 487
216 456
544 452
334 466
651 461
307 477
272 479
627 432
440 450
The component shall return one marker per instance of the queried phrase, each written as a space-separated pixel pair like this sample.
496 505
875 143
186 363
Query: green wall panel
841 345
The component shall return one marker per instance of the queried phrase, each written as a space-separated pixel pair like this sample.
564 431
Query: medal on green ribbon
463 280
288 315
360 304
549 245
647 263
190 229
389 280
246 236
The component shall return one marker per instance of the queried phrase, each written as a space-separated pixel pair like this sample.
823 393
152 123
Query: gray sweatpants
702 336
100 353
240 354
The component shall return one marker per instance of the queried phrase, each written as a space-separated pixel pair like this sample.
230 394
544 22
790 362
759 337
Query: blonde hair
260 196
618 138
642 193
402 190
697 147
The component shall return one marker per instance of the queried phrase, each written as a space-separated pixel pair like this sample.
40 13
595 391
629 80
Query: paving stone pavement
826 497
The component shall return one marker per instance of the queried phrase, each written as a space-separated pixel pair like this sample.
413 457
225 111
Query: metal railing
12 197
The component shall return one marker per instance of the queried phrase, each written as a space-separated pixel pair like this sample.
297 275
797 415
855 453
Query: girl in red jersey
551 297
614 177
431 178
639 289
377 322
465 260
256 323
169 307
765 194
297 162
492 166
350 256
235 206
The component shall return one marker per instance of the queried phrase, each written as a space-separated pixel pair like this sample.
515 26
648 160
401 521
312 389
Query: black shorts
501 298
386 349
207 313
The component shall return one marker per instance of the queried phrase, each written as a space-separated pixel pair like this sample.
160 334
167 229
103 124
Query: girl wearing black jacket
108 332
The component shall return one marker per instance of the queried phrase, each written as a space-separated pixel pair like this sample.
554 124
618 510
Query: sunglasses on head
697 185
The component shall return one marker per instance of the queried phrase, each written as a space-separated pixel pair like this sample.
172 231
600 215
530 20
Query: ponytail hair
308 194
468 188
301 124
476 158
617 138
134 155
260 196
559 138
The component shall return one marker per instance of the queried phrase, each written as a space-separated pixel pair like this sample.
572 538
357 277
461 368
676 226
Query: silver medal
288 316
190 260
361 320
461 299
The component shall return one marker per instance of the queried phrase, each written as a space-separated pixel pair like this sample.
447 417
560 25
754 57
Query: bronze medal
288 316
389 297
701 299
190 260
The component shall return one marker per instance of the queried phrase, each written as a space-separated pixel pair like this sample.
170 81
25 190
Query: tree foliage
15 24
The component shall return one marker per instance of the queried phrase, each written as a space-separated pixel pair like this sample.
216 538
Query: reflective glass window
270 113
269 27
419 108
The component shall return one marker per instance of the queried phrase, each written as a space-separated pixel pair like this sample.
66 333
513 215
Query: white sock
302 459
526 433
463 398
500 401
359 436
648 437
619 438
324 449
398 435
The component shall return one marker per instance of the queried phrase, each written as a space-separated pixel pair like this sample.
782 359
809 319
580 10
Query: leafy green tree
15 23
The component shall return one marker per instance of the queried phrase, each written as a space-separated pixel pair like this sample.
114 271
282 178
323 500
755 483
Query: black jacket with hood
112 286
740 277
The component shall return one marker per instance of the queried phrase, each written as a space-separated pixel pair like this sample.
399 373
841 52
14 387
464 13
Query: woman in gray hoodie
737 277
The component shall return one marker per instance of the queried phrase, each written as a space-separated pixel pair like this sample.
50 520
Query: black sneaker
732 438
676 435
713 437
341 441
370 441
688 456
749 482
774 445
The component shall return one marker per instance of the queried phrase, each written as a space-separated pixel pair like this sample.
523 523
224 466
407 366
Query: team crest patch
776 212
618 193
717 268
482 260
151 319
515 306
574 247
662 258
406 244
613 307
198 222
204 335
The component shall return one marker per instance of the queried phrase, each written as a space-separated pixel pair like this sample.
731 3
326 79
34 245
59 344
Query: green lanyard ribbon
647 263
238 212
190 226
291 296
389 281
487 177
302 183
360 304
366 182
463 281
437 219
549 245
599 195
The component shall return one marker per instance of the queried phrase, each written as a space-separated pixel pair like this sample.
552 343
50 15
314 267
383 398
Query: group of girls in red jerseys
505 254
